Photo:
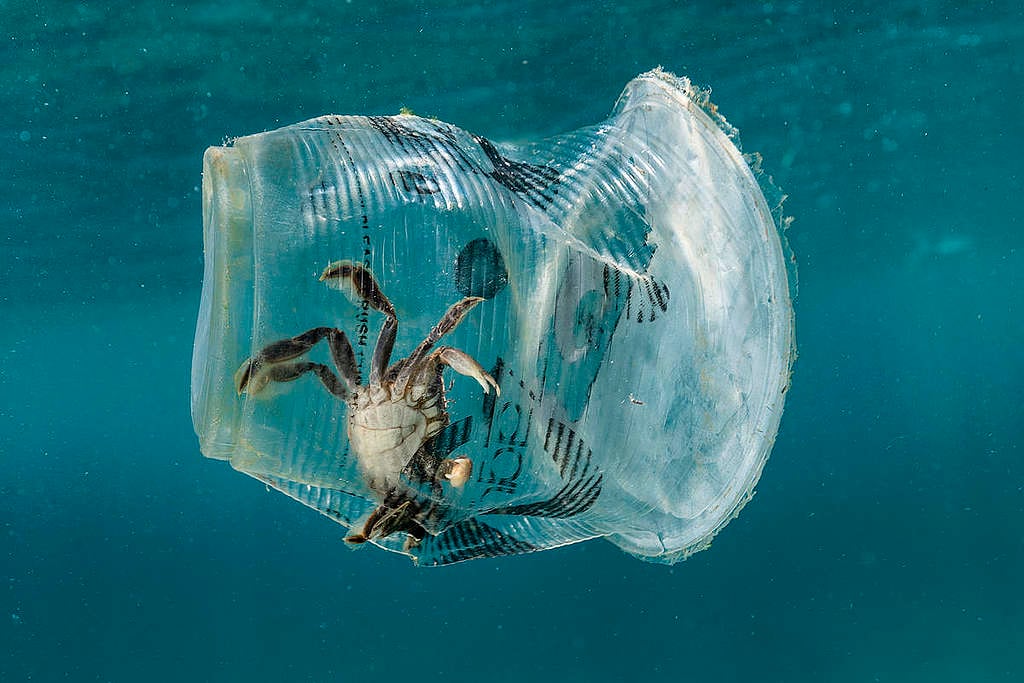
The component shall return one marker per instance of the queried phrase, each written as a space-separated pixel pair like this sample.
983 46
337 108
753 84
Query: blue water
886 540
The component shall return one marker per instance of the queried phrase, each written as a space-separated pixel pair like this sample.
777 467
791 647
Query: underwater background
886 539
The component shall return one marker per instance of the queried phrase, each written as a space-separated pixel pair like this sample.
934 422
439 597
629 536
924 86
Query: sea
885 542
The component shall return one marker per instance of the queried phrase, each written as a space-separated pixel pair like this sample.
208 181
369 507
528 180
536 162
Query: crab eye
586 337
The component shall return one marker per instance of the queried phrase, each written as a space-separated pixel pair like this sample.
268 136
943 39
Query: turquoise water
886 540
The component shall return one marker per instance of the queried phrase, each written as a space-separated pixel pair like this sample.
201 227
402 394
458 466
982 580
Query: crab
391 420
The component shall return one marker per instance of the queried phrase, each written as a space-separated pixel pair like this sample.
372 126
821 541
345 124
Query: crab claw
457 471
464 364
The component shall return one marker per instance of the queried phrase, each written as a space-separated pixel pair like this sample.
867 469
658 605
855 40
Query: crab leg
386 520
382 349
451 319
254 373
287 372
358 285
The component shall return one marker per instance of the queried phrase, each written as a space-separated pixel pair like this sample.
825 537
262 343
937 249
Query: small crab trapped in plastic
459 349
